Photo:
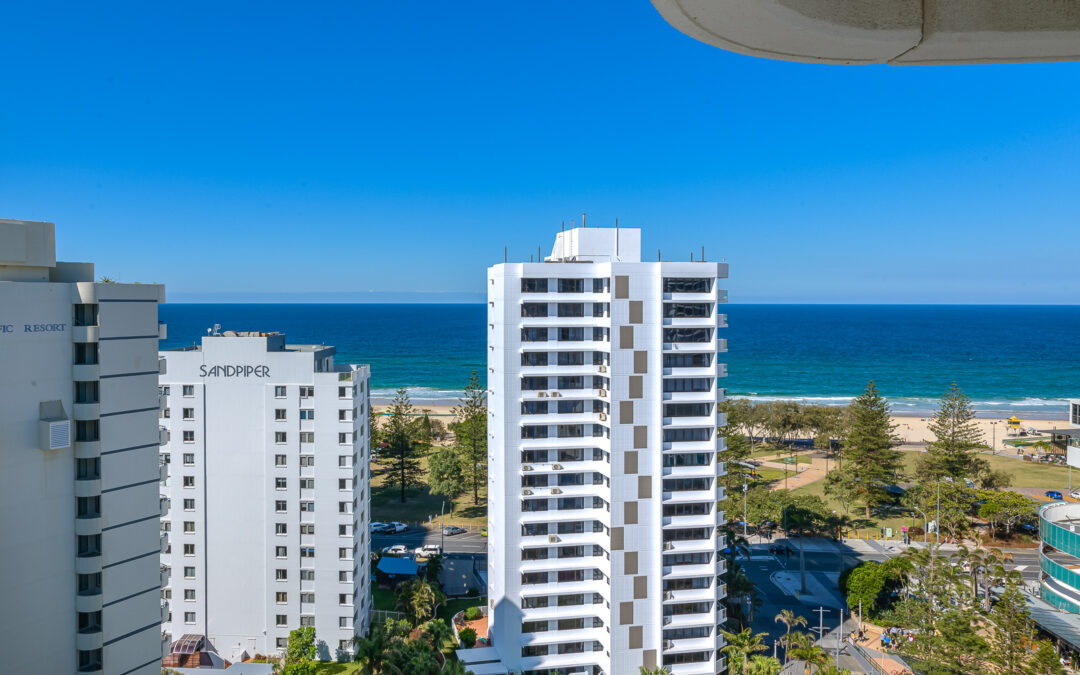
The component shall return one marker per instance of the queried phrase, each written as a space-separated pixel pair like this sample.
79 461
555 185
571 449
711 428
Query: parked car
1053 494
1075 494
379 528
428 550
451 530
483 531
396 527
396 549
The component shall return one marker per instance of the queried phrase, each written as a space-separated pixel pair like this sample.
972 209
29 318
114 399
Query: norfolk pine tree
870 459
399 431
957 439
470 428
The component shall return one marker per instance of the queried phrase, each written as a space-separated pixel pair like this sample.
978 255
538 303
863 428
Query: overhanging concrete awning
481 661
897 32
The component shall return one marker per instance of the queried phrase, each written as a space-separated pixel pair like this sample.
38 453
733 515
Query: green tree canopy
957 437
869 460
470 430
402 451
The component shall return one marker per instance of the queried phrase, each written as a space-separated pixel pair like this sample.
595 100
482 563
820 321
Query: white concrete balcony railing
602 442
721 591
552 637
163 473
573 539
84 333
164 610
687 620
162 366
703 471
166 644
164 541
709 396
586 611
163 402
602 515
87 449
690 446
680 645
710 421
690 546
555 370
681 496
89 640
690 321
677 522
711 296
163 330
555 297
555 564
570 663
90 487
554 419
165 504
588 586
163 436
601 491
87 372
87 526
584 466
683 571
690 595
166 574
558 394
702 668
690 347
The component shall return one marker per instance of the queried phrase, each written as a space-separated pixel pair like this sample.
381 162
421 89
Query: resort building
79 473
267 498
603 525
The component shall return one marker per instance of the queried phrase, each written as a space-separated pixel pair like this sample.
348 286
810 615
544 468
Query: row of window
602 285
568 310
564 504
562 407
280 391
562 648
541 383
565 431
566 527
561 577
567 600
562 479
282 483
563 358
561 624
564 455
562 552
280 461
570 334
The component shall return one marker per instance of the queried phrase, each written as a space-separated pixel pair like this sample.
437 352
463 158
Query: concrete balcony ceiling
897 32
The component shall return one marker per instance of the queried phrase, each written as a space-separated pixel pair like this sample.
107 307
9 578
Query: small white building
267 499
79 574
603 527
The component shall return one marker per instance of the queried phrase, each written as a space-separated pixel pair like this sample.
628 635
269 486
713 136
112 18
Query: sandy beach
912 430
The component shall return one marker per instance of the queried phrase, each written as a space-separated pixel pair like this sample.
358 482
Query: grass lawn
448 609
383 598
386 502
877 521
334 668
1024 474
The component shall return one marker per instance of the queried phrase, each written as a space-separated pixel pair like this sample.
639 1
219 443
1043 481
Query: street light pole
744 534
937 525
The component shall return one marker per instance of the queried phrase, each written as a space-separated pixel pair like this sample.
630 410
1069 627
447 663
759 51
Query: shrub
467 637
473 591
472 614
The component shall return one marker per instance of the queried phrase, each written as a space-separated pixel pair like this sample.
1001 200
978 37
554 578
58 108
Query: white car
1075 494
396 549
396 527
379 528
428 550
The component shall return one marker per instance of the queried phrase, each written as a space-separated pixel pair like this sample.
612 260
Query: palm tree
655 670
455 667
436 633
417 599
803 647
370 651
744 643
764 665
790 620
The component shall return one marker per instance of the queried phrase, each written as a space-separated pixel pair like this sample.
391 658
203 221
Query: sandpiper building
603 523
267 496
79 474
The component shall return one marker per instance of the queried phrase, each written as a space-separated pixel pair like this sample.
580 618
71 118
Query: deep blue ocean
1008 359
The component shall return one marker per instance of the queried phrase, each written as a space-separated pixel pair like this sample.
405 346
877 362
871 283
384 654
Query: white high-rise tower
603 522
267 499
79 473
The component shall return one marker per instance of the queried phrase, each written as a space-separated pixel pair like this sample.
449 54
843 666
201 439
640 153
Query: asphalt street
469 543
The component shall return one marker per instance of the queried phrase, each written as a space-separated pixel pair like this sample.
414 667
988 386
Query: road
469 543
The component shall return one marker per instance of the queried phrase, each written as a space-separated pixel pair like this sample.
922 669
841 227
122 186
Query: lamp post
744 488
993 437
937 525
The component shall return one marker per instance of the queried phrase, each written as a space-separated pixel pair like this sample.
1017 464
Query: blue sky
378 149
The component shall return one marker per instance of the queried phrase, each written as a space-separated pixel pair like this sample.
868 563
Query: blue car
1054 494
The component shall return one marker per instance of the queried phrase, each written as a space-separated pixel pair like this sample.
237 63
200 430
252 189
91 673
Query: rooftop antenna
504 254
217 328
530 257
703 253
539 258
657 255
616 238
691 256
563 228
582 220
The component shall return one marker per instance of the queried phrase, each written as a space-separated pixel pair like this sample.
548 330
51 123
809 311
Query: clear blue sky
242 148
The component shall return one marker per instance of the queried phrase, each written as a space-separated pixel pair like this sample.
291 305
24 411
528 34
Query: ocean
1009 359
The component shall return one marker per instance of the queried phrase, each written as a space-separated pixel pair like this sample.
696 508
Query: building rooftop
597 244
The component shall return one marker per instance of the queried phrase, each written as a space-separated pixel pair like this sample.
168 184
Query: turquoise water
1008 359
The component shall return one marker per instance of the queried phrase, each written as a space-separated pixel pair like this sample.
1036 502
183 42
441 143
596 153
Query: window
307 575
307 436
279 437
281 528
189 572
188 390
344 507
534 407
571 407
281 506
344 461
688 384
699 360
281 643
307 552
307 507
279 392
189 595
166 413
344 622
688 459
281 620
692 509
534 358
86 392
307 460
687 310
87 469
343 484
344 530
307 392
533 310
600 285
280 415
281 483
189 481
281 575
343 392
571 358
534 383
682 435
692 285
189 527
534 334
189 436
189 549
281 552
307 528
684 484
307 483
570 382
307 598
343 415
89 584
189 617
164 390
279 460
687 334
534 285
571 309
344 645
344 599
85 314
571 334
571 285
534 627
88 507
532 431
281 597
189 413
307 414
343 438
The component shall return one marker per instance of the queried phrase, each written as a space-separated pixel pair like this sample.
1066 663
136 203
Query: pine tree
1012 630
470 428
400 435
870 460
957 437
